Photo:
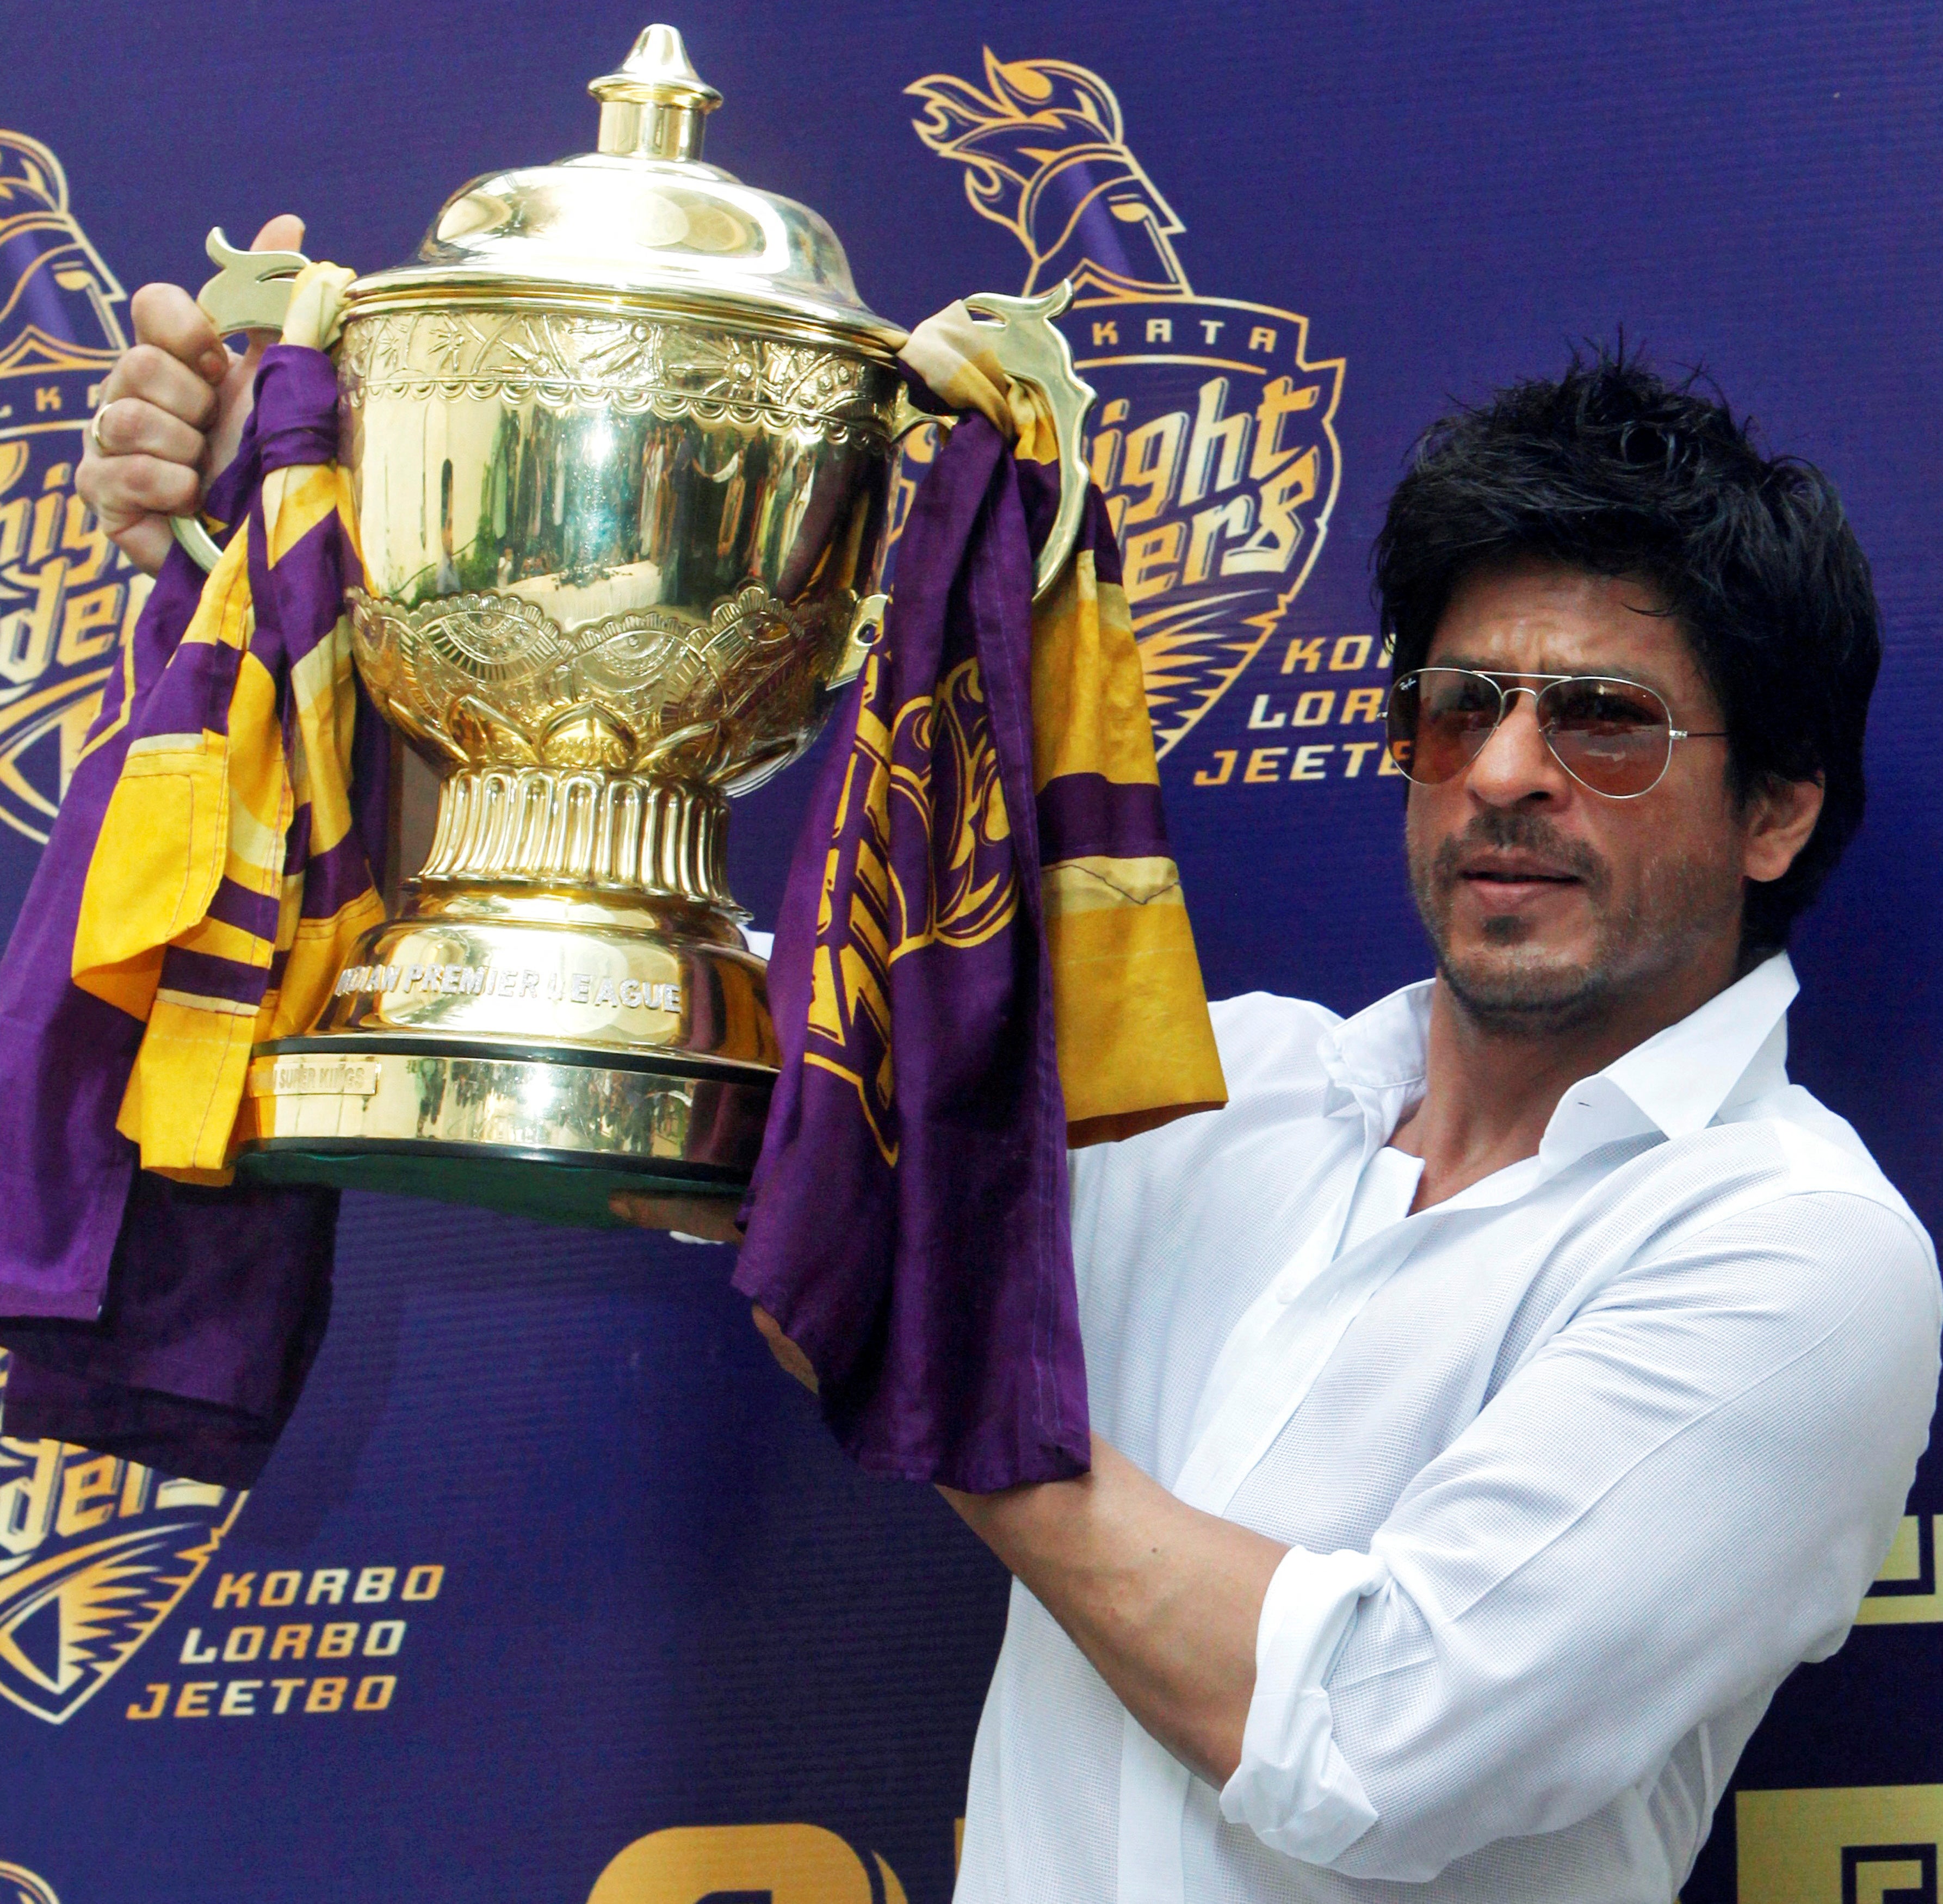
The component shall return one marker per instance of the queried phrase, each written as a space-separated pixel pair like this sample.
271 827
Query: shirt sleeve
1683 1494
1293 1788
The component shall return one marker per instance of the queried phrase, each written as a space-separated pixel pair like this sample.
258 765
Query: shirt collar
1680 1078
1375 1060
1733 1049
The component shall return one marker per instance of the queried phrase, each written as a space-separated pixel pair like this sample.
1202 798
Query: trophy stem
625 835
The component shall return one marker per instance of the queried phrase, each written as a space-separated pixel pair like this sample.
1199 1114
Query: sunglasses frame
1508 685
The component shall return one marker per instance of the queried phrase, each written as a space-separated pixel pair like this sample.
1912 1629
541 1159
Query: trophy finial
653 106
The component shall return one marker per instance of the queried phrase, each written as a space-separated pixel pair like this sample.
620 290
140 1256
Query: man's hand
171 413
711 1218
1164 1599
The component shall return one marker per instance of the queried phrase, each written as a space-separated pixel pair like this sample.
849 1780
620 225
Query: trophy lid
641 222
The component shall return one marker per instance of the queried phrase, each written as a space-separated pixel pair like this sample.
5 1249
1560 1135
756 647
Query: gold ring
94 432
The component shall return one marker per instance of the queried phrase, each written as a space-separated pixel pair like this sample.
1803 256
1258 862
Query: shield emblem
21 1887
66 593
1214 444
95 1554
1213 440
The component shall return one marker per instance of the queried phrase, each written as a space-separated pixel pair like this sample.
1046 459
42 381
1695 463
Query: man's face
1549 904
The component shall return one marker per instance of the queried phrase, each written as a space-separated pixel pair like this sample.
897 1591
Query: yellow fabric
182 1096
316 312
165 839
952 352
295 501
1089 695
1135 1045
1094 882
1126 995
320 949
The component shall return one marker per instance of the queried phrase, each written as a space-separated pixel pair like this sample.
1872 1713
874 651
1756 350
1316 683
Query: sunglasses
1614 737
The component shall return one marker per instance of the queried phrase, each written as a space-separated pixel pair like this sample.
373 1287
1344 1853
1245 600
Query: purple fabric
335 876
169 1323
250 912
217 1302
1086 814
908 1223
209 975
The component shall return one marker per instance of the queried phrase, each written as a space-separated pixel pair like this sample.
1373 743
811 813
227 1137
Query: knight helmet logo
95 1554
66 592
19 1886
1214 440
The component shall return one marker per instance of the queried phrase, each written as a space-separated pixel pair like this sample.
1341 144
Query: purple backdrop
553 1559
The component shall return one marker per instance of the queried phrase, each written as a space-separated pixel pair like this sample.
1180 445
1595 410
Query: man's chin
1524 989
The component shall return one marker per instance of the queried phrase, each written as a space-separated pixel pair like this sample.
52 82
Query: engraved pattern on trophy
718 494
675 370
488 679
598 755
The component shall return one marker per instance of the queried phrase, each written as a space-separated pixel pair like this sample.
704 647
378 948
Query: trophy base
532 1053
547 1135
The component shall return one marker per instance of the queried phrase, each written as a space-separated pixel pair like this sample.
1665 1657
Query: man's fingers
284 232
177 399
153 375
712 1218
126 491
123 488
129 426
167 319
167 316
145 542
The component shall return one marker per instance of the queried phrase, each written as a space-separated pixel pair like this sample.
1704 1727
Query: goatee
1533 996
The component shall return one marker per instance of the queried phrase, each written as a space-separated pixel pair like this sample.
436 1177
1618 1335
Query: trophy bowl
620 442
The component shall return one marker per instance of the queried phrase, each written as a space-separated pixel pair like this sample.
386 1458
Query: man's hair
1612 471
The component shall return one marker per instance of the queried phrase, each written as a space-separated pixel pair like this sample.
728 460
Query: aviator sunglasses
1615 737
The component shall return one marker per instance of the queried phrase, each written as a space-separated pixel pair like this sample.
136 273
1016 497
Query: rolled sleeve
1294 1788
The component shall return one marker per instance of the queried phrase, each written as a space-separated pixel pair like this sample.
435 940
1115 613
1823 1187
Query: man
1501 1396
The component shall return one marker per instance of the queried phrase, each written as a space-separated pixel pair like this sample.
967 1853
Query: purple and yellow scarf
210 867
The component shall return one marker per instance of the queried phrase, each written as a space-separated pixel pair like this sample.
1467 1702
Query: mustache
1513 831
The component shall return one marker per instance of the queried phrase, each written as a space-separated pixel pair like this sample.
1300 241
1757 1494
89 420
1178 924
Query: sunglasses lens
1615 736
1439 721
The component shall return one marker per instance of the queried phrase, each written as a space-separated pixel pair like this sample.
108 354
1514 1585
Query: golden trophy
620 439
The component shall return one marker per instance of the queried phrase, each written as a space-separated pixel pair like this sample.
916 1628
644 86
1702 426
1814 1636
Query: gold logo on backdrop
1860 1844
1214 438
20 1886
783 1864
95 1554
66 593
1905 1592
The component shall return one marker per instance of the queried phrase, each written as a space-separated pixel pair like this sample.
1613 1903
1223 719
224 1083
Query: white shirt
1576 1467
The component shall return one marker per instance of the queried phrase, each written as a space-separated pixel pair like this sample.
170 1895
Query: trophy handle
250 291
866 621
1032 350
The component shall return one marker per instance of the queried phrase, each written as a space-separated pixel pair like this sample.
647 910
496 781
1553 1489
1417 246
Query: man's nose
1515 765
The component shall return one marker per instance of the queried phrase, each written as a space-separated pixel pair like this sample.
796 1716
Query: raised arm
1164 1601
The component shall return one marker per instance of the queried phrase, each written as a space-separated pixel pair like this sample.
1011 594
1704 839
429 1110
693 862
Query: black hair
1611 470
